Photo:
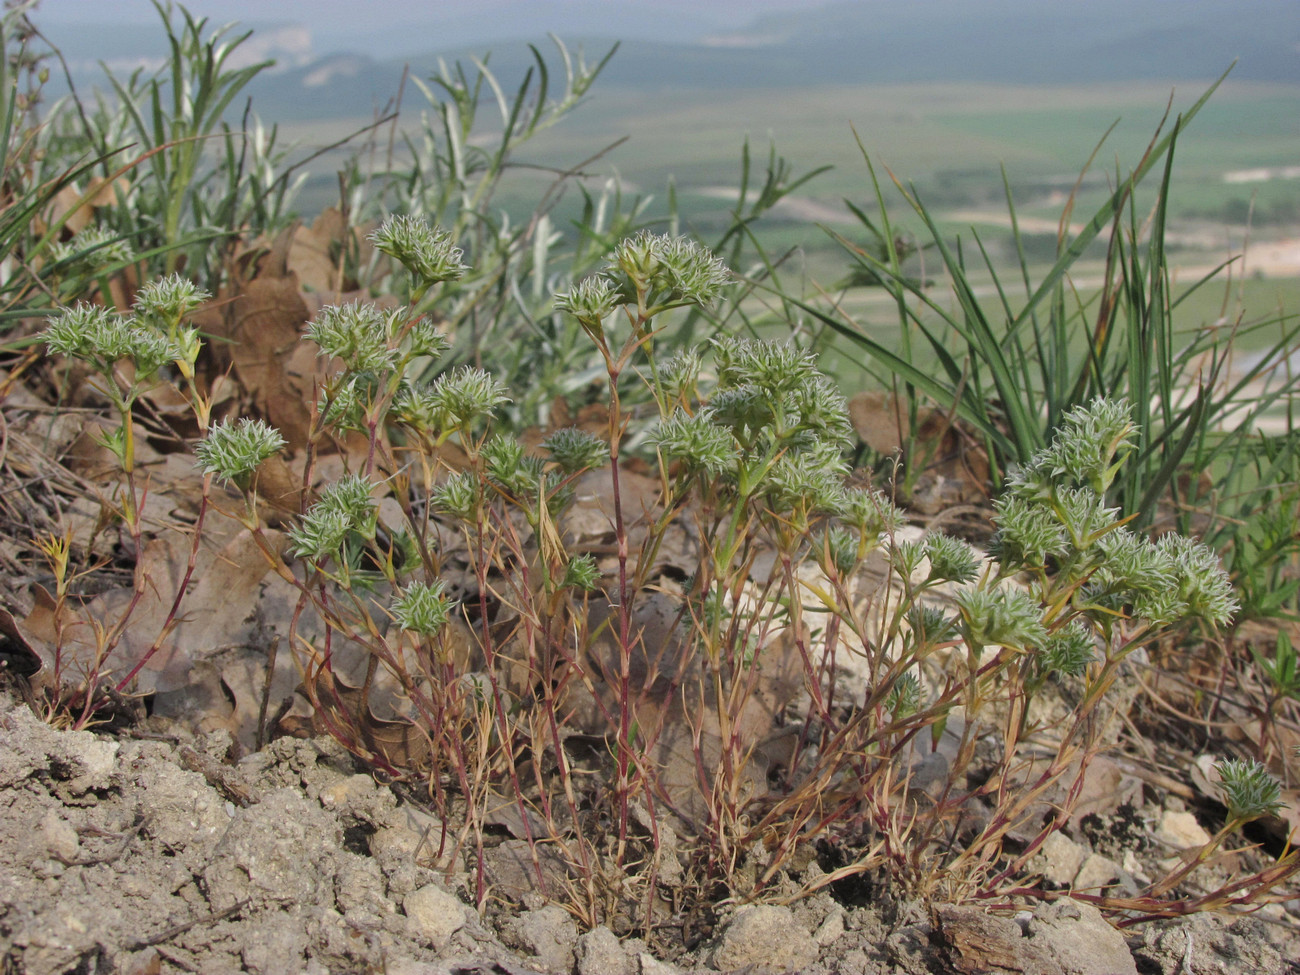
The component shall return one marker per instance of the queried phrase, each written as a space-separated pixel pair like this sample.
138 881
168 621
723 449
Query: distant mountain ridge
855 42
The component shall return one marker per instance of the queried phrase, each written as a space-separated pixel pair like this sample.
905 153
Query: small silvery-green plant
376 581
127 355
1072 592
1249 792
749 447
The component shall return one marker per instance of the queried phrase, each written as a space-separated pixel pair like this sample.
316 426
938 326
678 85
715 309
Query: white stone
763 939
1096 874
60 838
1059 859
433 915
831 928
601 953
93 761
648 964
1181 831
1081 940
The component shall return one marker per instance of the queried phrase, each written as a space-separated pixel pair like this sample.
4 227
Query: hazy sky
384 11
361 23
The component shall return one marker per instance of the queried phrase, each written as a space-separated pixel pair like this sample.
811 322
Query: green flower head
233 451
357 333
429 253
590 301
671 270
164 302
951 559
467 394
1003 616
576 450
344 507
702 445
422 608
1249 791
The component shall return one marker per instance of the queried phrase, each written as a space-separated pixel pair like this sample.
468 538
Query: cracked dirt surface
151 852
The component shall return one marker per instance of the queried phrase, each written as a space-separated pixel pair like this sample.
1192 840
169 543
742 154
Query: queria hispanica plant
127 355
661 740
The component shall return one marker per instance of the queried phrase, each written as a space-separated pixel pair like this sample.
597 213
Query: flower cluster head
466 394
840 546
515 472
1248 790
422 608
233 451
581 573
1068 651
1029 533
1000 616
163 305
808 480
776 367
93 250
905 696
1162 582
776 385
356 333
702 445
1091 443
345 507
166 301
590 301
459 496
575 450
429 253
929 626
669 270
951 559
454 400
370 339
1201 584
103 338
680 375
1054 516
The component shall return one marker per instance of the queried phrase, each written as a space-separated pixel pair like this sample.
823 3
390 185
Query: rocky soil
150 852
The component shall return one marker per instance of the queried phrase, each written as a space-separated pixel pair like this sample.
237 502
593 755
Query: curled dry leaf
954 469
74 207
316 252
344 711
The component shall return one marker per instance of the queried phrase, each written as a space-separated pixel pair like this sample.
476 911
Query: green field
948 139
950 143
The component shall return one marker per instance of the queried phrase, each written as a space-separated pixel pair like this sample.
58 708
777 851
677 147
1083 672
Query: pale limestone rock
601 953
1059 859
433 915
1080 939
1181 831
1096 874
763 939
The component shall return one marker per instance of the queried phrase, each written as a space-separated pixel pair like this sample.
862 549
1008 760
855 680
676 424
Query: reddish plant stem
498 705
170 622
623 784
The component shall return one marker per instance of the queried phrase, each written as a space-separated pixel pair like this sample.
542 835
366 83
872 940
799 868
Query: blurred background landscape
943 92
946 95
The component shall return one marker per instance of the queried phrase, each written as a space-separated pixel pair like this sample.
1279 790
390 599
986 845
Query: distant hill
1011 41
848 42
